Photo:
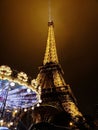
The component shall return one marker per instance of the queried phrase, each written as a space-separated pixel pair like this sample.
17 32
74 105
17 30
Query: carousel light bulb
38 105
25 110
8 125
12 84
40 101
11 123
1 121
28 90
32 108
71 123
16 111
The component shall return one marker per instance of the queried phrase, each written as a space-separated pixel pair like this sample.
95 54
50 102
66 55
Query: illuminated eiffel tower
55 93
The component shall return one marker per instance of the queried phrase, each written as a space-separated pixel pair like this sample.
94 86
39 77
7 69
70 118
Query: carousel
18 94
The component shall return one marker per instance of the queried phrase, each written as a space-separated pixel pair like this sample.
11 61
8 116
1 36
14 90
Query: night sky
23 36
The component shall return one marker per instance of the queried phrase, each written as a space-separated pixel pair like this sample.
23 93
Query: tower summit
55 93
51 52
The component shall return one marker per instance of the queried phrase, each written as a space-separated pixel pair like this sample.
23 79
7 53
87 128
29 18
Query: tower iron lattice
55 93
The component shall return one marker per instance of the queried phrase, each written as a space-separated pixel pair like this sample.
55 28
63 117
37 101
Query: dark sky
23 35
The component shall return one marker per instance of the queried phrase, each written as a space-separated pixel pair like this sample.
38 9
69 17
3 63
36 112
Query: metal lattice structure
55 92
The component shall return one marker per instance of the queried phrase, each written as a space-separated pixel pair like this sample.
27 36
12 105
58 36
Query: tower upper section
51 52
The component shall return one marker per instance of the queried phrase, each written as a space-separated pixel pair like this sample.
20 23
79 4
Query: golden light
40 101
22 76
38 105
32 108
11 123
5 70
1 122
16 111
25 110
71 123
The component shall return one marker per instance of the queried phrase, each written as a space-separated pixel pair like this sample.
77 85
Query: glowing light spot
25 110
11 123
38 105
32 108
40 101
28 90
12 84
71 124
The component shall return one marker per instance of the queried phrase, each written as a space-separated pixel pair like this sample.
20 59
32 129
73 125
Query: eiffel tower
56 95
